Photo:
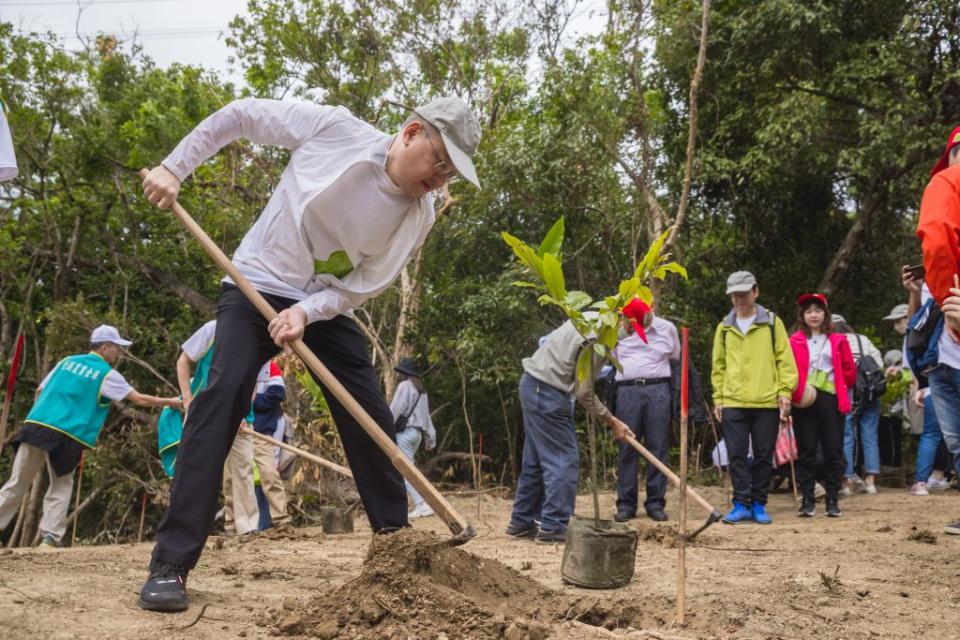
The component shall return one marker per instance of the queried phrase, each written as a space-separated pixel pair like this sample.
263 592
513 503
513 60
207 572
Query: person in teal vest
71 406
193 368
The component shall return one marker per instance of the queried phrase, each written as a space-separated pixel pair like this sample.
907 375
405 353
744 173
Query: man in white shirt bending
352 207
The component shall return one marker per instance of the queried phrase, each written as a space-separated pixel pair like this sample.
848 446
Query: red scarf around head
636 309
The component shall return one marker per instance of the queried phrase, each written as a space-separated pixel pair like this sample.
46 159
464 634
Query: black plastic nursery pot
336 519
599 554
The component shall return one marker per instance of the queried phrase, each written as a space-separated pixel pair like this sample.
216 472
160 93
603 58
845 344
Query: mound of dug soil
413 584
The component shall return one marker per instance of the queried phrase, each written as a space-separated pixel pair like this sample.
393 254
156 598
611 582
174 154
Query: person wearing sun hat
644 403
753 376
825 366
71 406
410 407
899 316
350 210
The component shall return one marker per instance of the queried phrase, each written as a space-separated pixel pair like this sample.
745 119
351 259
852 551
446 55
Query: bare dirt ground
883 570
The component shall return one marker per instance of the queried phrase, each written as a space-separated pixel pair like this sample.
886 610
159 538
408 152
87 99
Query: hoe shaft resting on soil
713 514
458 525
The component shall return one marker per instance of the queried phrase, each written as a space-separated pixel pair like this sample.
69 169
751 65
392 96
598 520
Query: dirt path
744 582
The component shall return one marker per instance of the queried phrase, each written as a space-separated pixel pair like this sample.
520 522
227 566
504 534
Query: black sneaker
952 529
551 536
657 515
518 531
833 508
165 589
808 508
624 516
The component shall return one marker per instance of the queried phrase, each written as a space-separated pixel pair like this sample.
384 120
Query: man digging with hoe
351 209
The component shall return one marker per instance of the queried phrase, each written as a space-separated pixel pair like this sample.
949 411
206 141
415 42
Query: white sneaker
422 510
934 484
845 490
818 490
919 489
857 484
869 487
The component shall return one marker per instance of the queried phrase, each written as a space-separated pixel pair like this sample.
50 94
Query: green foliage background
818 124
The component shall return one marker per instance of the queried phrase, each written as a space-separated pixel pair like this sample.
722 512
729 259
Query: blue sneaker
739 514
760 515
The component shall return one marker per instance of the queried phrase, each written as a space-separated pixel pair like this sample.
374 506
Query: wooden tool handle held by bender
459 527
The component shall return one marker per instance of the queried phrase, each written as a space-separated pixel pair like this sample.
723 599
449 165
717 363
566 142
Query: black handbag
400 423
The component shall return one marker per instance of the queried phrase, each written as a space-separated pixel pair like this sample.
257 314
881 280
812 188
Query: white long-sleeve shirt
336 231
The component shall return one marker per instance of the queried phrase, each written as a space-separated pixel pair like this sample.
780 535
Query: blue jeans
547 487
409 441
867 414
265 521
929 442
945 391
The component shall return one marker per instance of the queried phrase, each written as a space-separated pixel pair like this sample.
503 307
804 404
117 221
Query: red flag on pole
15 365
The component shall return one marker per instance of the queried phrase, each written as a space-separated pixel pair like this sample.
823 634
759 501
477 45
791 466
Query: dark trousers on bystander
646 410
820 423
741 427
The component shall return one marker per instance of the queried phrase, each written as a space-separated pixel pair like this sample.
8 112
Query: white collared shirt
334 195
8 160
651 359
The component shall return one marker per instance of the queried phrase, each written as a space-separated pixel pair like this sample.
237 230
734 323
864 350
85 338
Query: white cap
459 129
898 312
106 333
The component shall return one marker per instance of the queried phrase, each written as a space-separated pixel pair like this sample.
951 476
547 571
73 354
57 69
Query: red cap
944 160
636 309
812 297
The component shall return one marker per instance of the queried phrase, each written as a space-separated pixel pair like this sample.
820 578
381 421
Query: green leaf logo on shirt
338 264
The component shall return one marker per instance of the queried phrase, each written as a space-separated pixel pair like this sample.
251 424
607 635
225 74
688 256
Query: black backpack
871 382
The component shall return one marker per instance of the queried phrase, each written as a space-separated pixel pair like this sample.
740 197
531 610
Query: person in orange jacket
939 227
939 233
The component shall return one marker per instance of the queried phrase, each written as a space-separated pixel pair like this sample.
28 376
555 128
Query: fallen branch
203 610
15 590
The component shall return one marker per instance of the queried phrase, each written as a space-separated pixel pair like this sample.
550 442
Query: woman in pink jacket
825 364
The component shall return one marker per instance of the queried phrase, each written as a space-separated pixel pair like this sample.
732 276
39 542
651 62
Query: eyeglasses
443 168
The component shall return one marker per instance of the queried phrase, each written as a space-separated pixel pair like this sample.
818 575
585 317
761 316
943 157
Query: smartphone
917 272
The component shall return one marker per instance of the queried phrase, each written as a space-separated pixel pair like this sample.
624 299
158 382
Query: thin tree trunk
466 418
411 291
851 244
30 519
691 128
12 542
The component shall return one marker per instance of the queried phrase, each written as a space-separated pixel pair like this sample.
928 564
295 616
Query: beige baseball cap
459 129
902 310
740 281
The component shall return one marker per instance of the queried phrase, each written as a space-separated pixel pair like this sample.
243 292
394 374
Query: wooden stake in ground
479 472
682 538
143 514
458 525
8 398
76 504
